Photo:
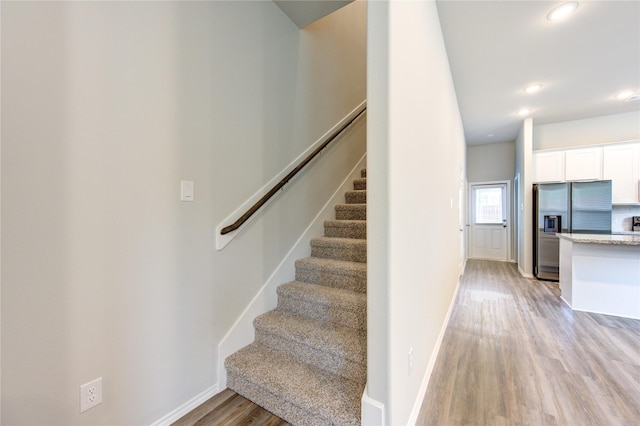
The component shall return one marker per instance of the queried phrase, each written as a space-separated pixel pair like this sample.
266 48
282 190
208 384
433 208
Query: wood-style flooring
515 354
229 408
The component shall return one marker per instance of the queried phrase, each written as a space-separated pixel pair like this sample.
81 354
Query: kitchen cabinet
583 164
599 273
621 164
548 166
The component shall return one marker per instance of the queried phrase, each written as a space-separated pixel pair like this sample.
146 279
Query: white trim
242 333
523 273
595 145
494 260
223 240
417 405
187 407
516 220
596 312
602 313
464 266
372 410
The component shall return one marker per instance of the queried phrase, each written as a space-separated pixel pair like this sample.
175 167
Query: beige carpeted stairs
308 363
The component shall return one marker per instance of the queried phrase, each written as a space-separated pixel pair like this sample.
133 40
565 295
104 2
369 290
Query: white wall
494 162
589 131
106 106
415 153
490 162
524 172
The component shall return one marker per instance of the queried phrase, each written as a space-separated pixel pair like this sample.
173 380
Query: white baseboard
372 410
187 407
432 361
242 332
524 274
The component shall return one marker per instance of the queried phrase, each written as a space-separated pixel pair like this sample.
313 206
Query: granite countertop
616 239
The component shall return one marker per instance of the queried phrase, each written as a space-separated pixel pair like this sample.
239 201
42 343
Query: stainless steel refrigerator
575 207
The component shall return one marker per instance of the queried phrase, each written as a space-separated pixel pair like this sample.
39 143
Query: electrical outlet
90 394
410 360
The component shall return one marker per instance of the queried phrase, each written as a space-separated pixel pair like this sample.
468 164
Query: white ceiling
496 48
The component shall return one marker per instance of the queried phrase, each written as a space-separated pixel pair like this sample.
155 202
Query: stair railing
262 201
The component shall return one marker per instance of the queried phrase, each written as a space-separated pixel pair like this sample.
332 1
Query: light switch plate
186 191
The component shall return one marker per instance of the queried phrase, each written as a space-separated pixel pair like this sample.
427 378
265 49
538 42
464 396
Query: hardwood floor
229 408
515 354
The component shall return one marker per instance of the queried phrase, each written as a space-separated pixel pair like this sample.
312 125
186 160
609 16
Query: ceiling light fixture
524 112
562 11
533 88
627 95
634 97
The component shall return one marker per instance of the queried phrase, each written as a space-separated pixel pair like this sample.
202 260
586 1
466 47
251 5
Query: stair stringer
242 332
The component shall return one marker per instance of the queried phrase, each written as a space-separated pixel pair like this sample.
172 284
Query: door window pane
488 205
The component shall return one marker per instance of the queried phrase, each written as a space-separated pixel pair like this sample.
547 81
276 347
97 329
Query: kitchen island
601 273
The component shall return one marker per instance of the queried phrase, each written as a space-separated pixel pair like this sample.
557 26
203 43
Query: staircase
308 363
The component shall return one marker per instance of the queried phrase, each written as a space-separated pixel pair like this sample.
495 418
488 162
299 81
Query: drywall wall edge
241 332
417 405
223 240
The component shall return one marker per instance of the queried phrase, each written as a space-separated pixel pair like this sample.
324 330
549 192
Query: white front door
488 215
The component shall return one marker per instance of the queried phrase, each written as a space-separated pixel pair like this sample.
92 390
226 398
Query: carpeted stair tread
346 228
351 249
355 197
351 211
360 183
297 392
334 348
328 304
308 361
336 339
332 273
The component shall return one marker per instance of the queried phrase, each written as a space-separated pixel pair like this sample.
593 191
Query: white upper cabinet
548 166
583 164
619 162
622 166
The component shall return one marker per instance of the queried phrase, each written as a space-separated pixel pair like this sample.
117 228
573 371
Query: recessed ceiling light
634 97
562 11
524 112
533 88
625 95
